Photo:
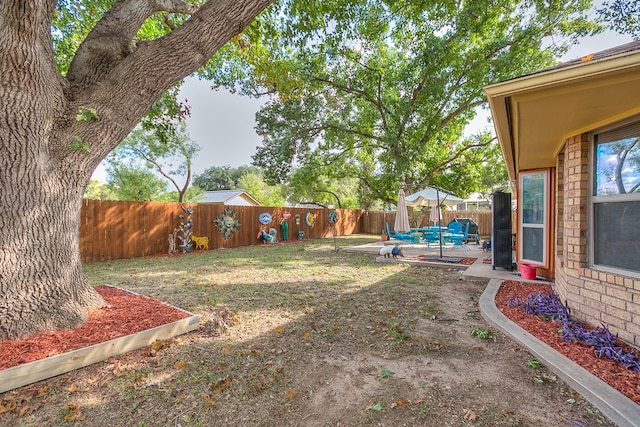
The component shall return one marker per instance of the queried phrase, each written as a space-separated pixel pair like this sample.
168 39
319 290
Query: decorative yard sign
332 217
309 218
227 222
185 228
265 218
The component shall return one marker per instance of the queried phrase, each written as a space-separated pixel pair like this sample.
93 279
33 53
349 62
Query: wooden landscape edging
38 370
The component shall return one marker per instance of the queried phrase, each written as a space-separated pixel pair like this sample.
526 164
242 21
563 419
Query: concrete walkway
613 404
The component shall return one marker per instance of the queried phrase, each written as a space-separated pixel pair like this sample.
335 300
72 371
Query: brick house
570 138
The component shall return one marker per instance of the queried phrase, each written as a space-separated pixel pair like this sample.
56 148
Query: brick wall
593 296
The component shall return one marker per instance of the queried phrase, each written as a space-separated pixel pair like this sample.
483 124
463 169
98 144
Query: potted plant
384 235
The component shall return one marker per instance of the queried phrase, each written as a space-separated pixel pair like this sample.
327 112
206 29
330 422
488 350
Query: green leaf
86 114
385 373
80 144
376 407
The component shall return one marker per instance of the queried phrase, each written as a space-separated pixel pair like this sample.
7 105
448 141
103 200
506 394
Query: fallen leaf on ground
209 399
219 386
290 394
469 414
72 413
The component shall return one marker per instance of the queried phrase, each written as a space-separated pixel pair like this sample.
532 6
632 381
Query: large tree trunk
41 280
47 155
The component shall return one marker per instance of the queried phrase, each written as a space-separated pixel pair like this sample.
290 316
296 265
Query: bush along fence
118 230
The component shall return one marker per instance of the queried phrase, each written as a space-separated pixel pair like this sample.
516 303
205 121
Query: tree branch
378 101
333 194
453 158
111 40
102 80
348 89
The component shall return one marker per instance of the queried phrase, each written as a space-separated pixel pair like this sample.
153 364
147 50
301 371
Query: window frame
546 209
593 200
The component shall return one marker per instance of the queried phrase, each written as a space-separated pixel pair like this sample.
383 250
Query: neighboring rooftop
596 56
230 197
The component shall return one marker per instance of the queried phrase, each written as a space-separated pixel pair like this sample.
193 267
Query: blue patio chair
396 235
391 236
430 236
455 227
458 239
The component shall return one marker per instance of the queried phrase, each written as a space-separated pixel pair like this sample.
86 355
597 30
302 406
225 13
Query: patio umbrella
435 214
434 197
402 216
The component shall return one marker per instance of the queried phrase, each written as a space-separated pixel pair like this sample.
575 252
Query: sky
223 123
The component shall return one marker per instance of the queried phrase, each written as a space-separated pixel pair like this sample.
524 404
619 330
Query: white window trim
592 200
545 223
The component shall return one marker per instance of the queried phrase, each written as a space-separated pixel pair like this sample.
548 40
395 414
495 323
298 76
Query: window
534 216
615 201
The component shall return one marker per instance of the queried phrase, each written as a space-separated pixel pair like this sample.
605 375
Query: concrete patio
613 404
478 270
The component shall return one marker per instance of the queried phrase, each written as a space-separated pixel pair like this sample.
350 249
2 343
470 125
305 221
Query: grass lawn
300 334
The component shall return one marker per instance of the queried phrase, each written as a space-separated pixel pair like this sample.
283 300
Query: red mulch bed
614 374
126 314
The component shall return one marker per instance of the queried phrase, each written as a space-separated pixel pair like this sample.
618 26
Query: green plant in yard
482 333
544 377
385 373
375 406
424 410
396 332
534 364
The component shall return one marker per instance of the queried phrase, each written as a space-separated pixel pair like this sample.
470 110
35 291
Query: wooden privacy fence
119 230
116 230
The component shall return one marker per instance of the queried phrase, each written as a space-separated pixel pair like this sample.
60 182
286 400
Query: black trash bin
473 234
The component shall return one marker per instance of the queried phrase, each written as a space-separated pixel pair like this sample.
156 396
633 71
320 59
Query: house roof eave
533 115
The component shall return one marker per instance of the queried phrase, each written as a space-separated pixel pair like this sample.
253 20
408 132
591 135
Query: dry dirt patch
319 338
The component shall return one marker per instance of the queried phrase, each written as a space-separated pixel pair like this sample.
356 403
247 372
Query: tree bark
47 155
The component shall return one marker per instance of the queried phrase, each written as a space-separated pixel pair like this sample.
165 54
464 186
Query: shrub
604 343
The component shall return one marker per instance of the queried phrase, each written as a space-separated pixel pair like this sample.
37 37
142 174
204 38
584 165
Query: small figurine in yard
284 226
391 251
267 236
172 241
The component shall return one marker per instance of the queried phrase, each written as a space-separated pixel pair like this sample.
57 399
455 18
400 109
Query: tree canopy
383 91
223 177
622 16
168 151
134 183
